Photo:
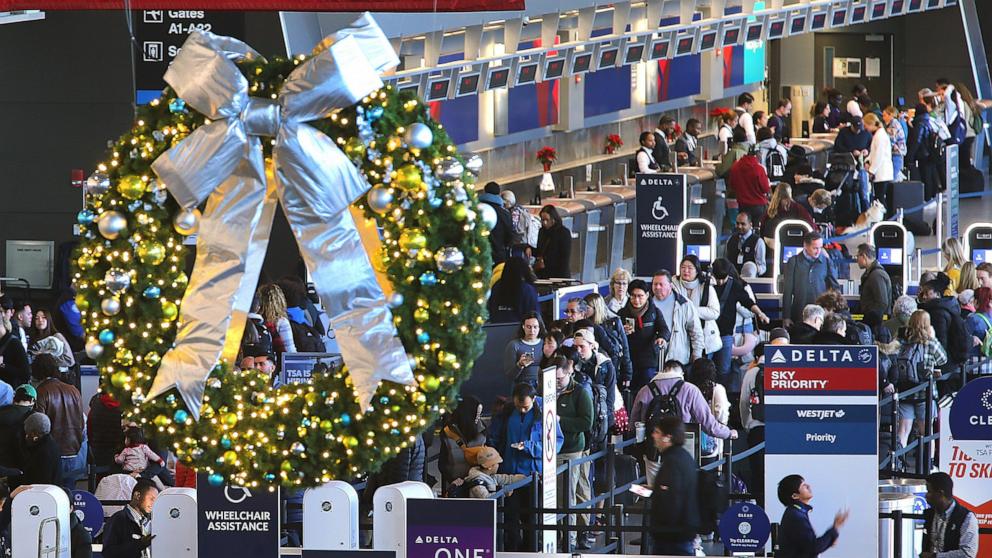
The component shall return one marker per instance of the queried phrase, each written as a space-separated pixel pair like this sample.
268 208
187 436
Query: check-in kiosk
40 522
622 240
890 241
330 517
389 514
978 242
596 247
697 237
788 242
174 523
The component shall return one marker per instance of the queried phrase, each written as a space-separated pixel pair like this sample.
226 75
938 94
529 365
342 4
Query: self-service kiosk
697 237
891 246
788 242
330 517
40 522
389 514
978 242
174 523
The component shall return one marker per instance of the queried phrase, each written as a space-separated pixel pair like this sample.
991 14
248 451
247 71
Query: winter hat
587 334
37 424
25 391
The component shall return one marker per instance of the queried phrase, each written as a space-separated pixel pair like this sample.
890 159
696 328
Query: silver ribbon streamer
316 183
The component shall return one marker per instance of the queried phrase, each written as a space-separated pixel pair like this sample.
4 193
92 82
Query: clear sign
744 527
549 449
450 528
89 510
661 208
234 517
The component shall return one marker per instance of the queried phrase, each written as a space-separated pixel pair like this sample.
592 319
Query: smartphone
630 321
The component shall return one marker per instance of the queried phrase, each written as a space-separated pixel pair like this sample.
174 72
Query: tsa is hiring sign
821 417
451 528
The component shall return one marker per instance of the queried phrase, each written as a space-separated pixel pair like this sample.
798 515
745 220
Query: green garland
299 435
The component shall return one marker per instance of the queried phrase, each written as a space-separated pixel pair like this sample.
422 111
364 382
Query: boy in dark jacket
673 519
797 539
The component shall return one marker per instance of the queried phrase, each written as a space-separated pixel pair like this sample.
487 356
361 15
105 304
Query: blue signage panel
953 184
744 527
660 211
232 517
971 412
451 528
822 430
89 510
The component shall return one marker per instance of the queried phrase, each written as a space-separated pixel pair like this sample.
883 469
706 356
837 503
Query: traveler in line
522 356
14 367
748 180
694 285
745 101
731 293
647 333
821 118
876 286
575 417
514 295
782 207
501 235
617 298
897 134
779 122
804 332
879 162
921 348
63 405
687 341
554 247
807 275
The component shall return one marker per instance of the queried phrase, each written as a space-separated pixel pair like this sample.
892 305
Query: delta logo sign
799 370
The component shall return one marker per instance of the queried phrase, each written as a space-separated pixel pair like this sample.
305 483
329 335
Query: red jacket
749 181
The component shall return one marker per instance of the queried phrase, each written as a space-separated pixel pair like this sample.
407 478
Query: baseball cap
25 390
488 455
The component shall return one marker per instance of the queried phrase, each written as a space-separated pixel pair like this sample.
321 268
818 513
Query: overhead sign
966 452
744 527
450 528
953 186
300 368
661 208
89 510
821 417
549 451
273 5
160 34
349 553
231 517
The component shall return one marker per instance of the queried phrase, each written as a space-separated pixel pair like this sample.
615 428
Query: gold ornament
230 419
230 456
161 421
169 310
460 212
119 379
151 252
354 148
131 187
82 302
413 239
86 261
124 357
431 383
408 177
421 315
152 358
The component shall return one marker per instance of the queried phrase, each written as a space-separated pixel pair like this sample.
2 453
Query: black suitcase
628 470
972 180
908 195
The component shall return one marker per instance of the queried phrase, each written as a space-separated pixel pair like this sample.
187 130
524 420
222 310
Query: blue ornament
269 477
374 113
216 479
423 338
394 432
346 419
435 202
152 292
177 105
428 279
171 399
106 337
180 416
384 400
305 423
225 442
85 217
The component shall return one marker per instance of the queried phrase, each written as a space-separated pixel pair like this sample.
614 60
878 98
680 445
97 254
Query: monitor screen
659 49
527 73
608 57
789 251
708 41
634 54
684 46
858 14
798 25
468 84
776 29
819 21
931 4
890 256
554 69
840 18
897 6
409 87
981 256
754 32
581 63
915 5
438 90
498 78
731 36
878 10
701 251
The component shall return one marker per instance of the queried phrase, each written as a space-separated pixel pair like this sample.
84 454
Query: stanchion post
940 229
611 472
893 433
618 521
928 425
897 534
537 517
500 522
919 262
569 498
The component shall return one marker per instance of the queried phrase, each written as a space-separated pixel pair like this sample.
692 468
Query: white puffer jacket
708 313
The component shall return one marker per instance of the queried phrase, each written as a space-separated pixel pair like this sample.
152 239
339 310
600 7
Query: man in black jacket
950 528
501 237
945 317
673 519
803 333
39 453
128 533
12 419
662 153
876 286
833 331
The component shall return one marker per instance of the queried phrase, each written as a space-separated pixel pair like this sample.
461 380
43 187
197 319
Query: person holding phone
647 333
523 354
128 533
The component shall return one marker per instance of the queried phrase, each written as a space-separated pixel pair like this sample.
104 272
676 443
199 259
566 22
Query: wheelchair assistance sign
661 208
821 418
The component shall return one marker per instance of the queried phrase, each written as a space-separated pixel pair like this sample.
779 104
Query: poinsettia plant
613 142
547 155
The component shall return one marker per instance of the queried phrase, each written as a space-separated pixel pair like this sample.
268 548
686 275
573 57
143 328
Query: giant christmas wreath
129 274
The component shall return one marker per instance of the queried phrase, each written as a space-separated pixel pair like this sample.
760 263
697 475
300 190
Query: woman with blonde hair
953 253
617 298
782 207
968 278
600 317
272 307
920 345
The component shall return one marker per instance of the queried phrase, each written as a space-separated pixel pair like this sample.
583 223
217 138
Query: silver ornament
111 224
137 398
419 135
116 280
298 448
470 219
94 349
213 383
488 215
459 193
196 453
474 164
449 169
449 259
97 184
187 222
111 306
395 300
380 198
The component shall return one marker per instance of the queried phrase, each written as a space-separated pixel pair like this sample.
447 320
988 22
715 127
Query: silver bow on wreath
316 183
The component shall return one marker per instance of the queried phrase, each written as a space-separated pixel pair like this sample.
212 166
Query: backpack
600 412
713 499
907 370
306 338
863 333
257 335
665 404
986 347
756 397
774 164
